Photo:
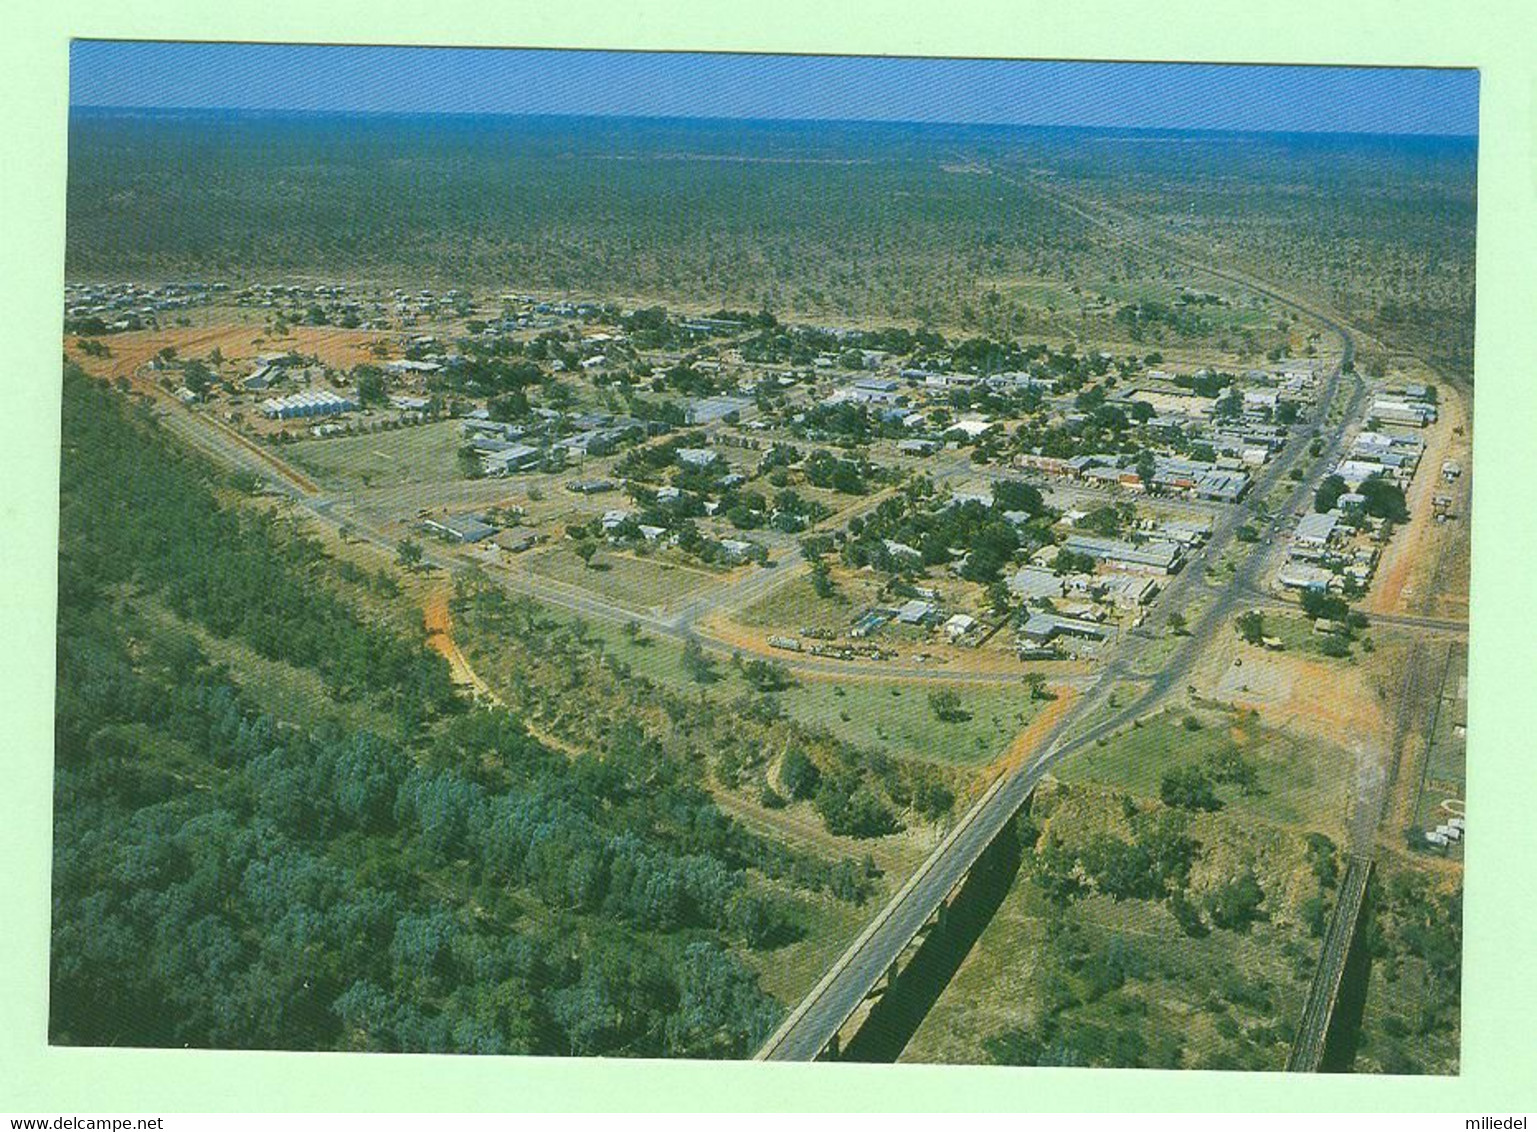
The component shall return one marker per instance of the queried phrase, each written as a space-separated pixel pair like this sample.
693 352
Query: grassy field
385 459
635 583
1153 658
898 719
1121 694
657 658
1297 635
1299 783
891 716
795 605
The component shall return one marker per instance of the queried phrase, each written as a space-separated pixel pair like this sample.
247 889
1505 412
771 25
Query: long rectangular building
1393 410
1157 557
310 403
1043 627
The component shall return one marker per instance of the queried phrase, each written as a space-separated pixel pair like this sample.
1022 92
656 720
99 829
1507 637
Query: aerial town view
724 580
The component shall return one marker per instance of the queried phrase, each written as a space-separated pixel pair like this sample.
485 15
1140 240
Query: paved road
233 450
815 1022
811 1027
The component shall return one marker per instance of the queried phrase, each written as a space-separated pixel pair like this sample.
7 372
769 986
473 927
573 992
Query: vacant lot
899 718
1299 782
795 605
648 585
396 458
237 340
894 717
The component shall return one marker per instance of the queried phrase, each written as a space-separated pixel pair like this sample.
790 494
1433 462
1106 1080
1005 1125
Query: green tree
1015 495
798 774
1229 766
1072 562
196 376
1251 626
766 675
1237 903
821 579
370 384
1146 467
408 552
852 808
1188 788
1384 499
467 460
1328 494
700 668
1332 607
945 703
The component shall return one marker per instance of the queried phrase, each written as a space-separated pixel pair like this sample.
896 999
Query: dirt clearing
1410 577
133 349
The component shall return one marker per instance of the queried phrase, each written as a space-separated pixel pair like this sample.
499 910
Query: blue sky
472 80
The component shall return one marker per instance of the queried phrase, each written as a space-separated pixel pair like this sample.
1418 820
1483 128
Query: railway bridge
1342 951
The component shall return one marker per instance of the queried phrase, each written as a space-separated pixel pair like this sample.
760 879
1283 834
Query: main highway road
812 1026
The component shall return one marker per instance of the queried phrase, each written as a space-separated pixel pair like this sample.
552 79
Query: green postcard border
1500 993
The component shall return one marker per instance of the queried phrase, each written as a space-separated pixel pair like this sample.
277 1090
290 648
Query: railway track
1308 1048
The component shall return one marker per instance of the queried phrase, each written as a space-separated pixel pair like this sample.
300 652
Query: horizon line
301 112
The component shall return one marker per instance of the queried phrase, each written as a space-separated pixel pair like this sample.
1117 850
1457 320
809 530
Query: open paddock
649 585
1299 782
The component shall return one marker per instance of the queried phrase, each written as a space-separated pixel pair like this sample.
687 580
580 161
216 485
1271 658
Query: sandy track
438 622
437 619
1028 742
1409 563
